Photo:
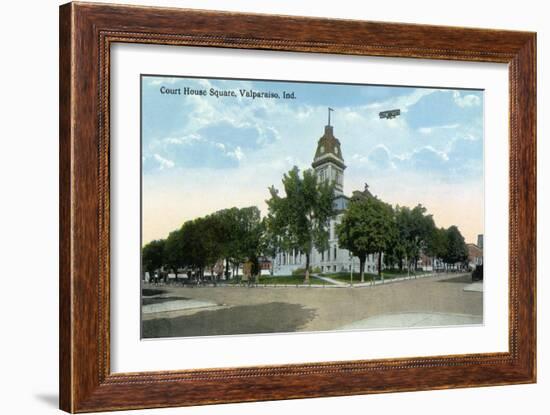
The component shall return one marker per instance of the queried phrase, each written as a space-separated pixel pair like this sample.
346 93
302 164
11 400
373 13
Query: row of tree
399 235
233 235
299 221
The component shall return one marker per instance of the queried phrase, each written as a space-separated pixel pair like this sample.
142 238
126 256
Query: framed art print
249 203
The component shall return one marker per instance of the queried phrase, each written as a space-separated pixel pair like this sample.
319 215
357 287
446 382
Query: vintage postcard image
276 206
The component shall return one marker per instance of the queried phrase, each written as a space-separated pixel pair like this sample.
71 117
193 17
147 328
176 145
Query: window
322 149
322 175
335 251
339 177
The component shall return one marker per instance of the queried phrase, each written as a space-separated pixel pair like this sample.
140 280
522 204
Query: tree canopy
240 236
299 220
456 250
152 255
415 231
367 227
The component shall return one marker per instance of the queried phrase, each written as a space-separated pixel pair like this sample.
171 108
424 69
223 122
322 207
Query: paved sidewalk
400 320
475 287
176 305
329 280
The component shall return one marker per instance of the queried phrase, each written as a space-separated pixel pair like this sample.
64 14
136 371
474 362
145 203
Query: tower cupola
328 161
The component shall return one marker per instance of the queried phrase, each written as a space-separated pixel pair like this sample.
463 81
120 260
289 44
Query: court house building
328 164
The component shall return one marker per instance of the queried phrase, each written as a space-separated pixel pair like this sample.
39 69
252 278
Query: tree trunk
379 264
306 277
227 268
362 259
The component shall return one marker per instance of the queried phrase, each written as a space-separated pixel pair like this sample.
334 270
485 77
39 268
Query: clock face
322 149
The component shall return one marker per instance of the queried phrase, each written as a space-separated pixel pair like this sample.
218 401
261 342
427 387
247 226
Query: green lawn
388 275
345 276
339 276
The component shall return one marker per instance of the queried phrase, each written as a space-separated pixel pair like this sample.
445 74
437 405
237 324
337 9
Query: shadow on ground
276 317
146 292
462 279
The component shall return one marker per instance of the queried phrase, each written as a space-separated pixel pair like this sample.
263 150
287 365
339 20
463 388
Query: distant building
475 255
480 241
328 164
428 263
265 265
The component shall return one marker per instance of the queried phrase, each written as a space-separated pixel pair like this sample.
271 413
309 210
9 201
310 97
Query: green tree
152 255
201 243
250 232
456 250
190 246
415 231
437 245
211 233
174 254
229 220
300 219
367 227
240 235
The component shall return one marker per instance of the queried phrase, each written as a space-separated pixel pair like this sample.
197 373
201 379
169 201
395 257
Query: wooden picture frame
86 33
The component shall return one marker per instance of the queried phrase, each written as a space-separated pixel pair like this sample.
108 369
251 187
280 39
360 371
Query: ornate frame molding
86 34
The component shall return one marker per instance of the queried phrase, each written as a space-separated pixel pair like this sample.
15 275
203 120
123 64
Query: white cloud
429 130
188 139
403 101
466 100
163 81
163 162
237 154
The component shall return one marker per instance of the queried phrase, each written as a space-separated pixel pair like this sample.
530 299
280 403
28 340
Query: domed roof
328 148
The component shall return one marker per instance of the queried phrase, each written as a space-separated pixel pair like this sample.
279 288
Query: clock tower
328 162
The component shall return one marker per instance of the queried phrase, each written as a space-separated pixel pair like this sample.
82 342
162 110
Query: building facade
475 255
328 164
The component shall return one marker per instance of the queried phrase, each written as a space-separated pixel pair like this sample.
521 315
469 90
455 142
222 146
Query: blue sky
204 153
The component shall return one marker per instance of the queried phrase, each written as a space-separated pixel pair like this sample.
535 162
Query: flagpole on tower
329 110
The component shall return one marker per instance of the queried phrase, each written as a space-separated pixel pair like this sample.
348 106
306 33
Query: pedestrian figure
247 272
